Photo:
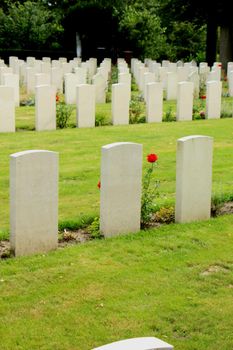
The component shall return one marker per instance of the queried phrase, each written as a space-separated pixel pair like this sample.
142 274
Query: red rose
151 158
203 97
220 65
99 184
57 98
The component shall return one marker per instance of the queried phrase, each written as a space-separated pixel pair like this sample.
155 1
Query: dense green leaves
29 25
158 29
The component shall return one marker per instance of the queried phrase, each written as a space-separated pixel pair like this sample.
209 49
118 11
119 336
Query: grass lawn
80 150
175 282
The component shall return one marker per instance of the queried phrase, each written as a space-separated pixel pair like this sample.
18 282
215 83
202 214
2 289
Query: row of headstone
170 74
99 79
185 96
45 102
121 94
34 191
33 72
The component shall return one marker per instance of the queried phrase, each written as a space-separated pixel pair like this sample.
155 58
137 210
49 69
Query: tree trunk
211 40
226 45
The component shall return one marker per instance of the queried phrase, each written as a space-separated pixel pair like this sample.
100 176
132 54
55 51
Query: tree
214 15
142 26
29 25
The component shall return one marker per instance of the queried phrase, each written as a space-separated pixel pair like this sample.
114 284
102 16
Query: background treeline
159 29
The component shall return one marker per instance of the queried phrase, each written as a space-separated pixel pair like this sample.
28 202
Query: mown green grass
175 283
80 150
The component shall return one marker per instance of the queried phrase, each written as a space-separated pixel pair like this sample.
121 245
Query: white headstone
85 106
13 81
46 67
213 99
182 74
229 68
33 202
42 79
185 101
81 73
125 78
154 102
163 76
120 104
142 71
195 79
45 103
71 82
7 109
30 80
57 78
230 83
172 86
4 70
100 88
148 78
120 192
193 178
145 343
30 61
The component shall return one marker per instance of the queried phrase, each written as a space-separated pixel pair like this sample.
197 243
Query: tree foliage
29 25
143 27
172 29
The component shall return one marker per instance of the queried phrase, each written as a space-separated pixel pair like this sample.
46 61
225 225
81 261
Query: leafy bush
63 112
136 111
169 115
101 119
94 228
165 215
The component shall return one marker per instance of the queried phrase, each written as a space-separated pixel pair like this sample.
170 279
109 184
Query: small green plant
63 112
226 111
136 111
101 119
94 228
149 192
165 215
169 115
134 86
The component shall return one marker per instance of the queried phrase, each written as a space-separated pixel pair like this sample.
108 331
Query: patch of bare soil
5 249
73 237
226 208
65 238
213 269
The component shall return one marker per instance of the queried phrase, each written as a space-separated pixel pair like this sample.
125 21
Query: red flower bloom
57 98
203 97
220 65
99 184
151 158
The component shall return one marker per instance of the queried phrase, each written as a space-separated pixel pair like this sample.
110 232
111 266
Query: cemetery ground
174 282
